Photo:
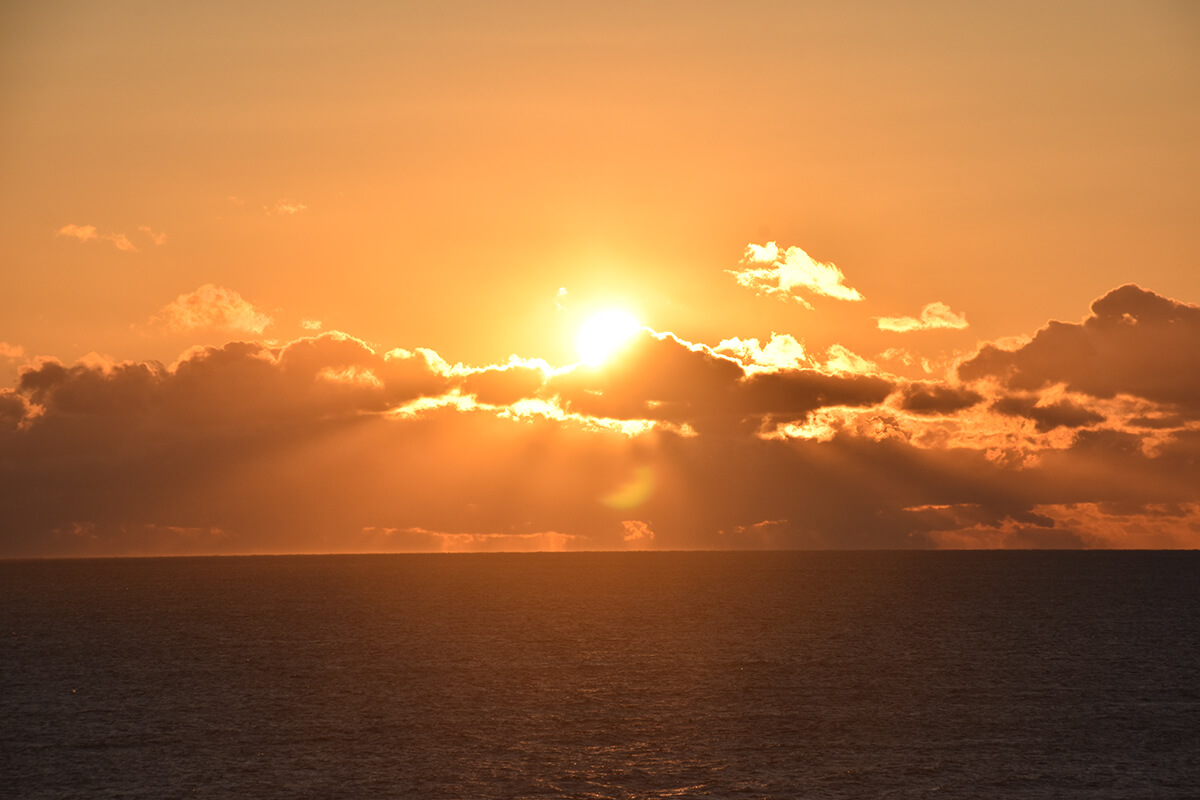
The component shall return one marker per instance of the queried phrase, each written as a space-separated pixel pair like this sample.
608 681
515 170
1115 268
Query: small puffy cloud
211 307
157 238
636 531
934 316
13 351
83 233
843 359
285 206
770 271
310 324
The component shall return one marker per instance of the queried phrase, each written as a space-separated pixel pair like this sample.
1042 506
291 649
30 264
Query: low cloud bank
1087 435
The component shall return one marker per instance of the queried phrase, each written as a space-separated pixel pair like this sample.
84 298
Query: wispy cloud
120 241
84 233
285 206
783 273
88 233
211 307
933 316
157 238
310 324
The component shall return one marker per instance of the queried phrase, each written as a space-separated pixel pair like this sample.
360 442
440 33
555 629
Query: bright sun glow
604 332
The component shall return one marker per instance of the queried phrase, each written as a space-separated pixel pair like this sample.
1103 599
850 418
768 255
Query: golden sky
309 277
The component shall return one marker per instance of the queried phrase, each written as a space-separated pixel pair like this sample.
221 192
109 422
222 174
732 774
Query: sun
604 332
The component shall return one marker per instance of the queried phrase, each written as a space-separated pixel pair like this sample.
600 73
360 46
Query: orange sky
364 212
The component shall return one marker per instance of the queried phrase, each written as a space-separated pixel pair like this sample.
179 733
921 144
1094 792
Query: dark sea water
640 675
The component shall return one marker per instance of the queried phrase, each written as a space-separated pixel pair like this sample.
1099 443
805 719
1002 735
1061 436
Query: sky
311 277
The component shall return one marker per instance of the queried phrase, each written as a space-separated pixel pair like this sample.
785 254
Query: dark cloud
504 385
1048 416
318 446
797 392
935 398
313 378
1158 423
13 409
1134 342
121 390
660 377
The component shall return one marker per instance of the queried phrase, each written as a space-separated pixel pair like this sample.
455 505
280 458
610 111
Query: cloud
285 206
843 359
934 316
1134 342
87 233
14 410
327 444
310 324
781 352
661 377
420 540
1047 416
84 233
785 274
157 238
637 531
120 242
310 379
934 398
657 377
211 307
13 351
507 384
1069 526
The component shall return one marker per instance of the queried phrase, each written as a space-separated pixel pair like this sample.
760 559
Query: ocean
604 675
